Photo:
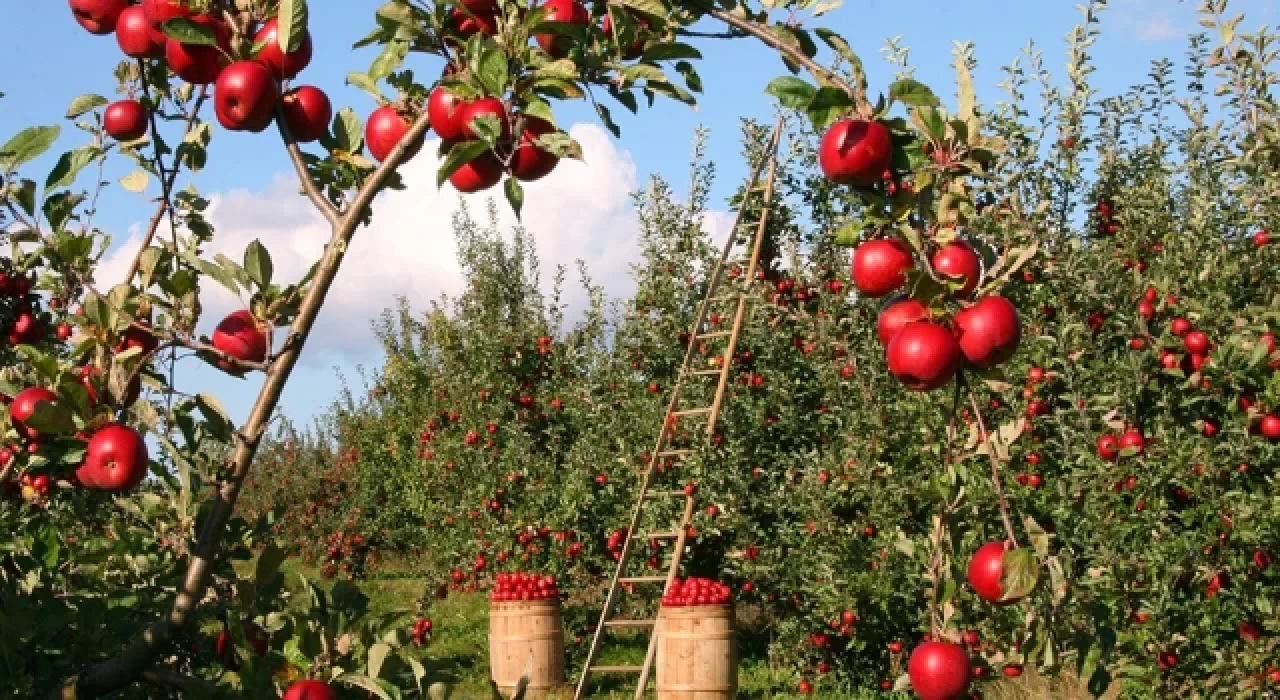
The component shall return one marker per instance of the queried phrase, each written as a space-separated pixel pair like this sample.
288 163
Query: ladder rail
670 417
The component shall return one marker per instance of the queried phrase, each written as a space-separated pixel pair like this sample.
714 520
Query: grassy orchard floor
458 652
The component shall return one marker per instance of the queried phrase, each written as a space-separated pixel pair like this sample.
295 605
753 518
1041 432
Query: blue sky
49 61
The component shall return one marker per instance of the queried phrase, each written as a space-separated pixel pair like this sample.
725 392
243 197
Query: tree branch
326 208
125 668
169 679
995 473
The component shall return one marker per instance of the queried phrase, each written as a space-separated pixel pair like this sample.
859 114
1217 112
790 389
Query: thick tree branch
824 75
169 679
124 669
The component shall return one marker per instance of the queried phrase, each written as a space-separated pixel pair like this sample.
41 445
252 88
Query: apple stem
995 471
115 673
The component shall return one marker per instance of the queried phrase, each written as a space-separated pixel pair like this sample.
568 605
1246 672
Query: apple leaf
364 82
849 234
45 365
1039 538
391 58
69 166
488 127
52 418
828 105
515 195
83 104
491 68
257 263
216 416
347 130
1021 572
652 8
27 145
292 28
792 92
364 682
185 31
670 51
914 93
460 154
559 144
136 181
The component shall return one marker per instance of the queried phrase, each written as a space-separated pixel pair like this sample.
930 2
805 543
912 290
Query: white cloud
1148 20
580 211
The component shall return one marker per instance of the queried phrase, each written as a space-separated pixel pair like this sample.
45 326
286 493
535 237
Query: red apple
923 356
1133 438
135 35
240 335
482 107
284 66
125 120
481 173
116 459
444 110
561 12
310 690
880 266
1179 326
1261 238
957 261
158 12
245 96
484 22
529 162
384 130
307 112
988 331
23 407
1196 342
1250 631
939 671
196 63
1269 426
986 569
1108 447
897 314
138 336
98 16
856 152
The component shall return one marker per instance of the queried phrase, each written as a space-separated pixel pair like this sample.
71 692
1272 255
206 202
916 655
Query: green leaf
377 655
28 145
515 195
387 62
364 82
461 154
69 166
1021 572
24 193
186 31
914 93
85 103
668 51
792 92
364 683
219 424
348 131
292 22
652 8
257 262
488 127
491 68
136 181
52 418
59 207
849 234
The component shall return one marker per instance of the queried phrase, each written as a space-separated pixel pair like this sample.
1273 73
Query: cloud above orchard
583 210
1148 20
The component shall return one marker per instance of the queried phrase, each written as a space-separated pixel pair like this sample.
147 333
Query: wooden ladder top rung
692 411
665 494
630 623
714 334
662 535
706 372
616 669
643 579
675 453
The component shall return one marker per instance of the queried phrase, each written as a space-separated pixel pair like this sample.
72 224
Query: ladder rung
706 372
630 623
664 494
726 297
714 334
667 535
675 453
692 411
616 669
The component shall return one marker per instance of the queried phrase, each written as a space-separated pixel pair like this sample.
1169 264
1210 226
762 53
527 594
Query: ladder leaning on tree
731 292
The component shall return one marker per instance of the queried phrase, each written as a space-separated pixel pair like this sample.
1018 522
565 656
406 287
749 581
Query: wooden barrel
520 632
696 657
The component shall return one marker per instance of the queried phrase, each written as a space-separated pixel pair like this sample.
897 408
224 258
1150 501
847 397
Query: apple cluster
421 631
696 591
247 65
522 586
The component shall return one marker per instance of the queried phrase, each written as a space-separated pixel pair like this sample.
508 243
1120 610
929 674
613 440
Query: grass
457 655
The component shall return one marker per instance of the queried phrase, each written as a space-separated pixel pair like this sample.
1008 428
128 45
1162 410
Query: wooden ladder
741 254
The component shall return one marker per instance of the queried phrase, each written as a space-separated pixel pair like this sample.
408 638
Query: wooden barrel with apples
526 636
696 656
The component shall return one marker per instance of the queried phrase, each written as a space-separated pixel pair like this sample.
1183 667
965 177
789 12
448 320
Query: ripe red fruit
245 96
880 266
529 162
1261 238
897 314
1250 631
804 688
136 35
957 260
158 12
1269 426
384 130
986 569
1196 342
444 110
23 407
310 690
923 356
98 16
939 670
1133 438
116 459
561 12
307 112
1012 671
490 106
283 66
199 64
1108 447
1179 326
479 174
988 331
484 22
855 152
240 336
1146 310
1210 427
125 120
1166 660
